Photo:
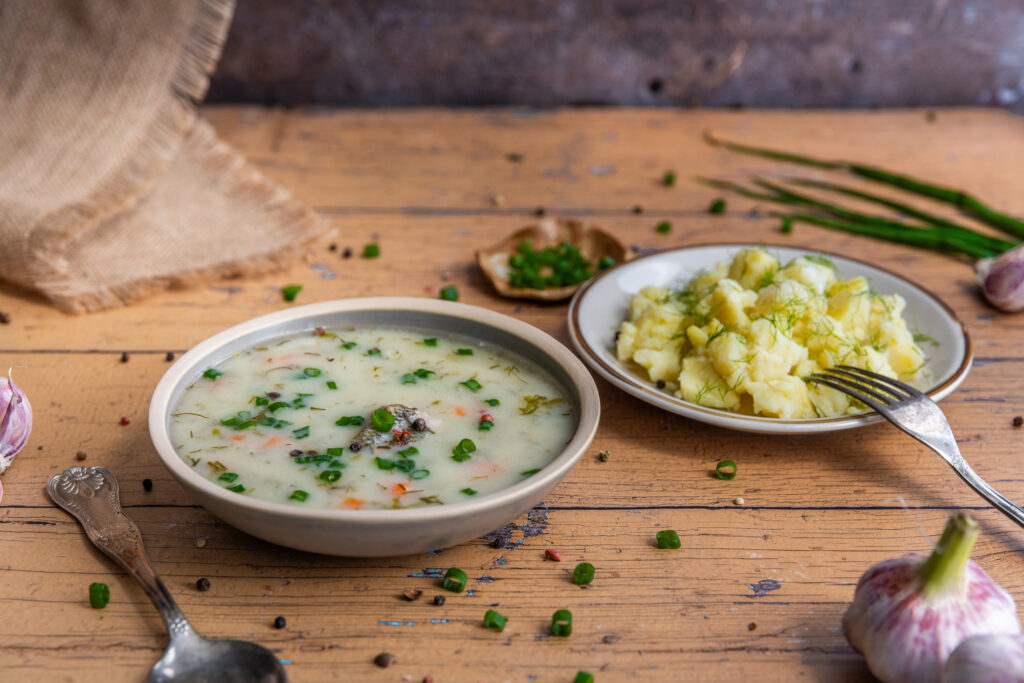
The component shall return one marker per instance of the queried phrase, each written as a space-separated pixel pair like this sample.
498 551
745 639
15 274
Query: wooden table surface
757 590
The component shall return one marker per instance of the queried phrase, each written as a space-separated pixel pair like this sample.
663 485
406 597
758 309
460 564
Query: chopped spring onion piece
464 352
330 475
485 425
454 580
311 372
561 623
605 263
277 405
583 574
409 452
261 400
492 402
468 491
472 385
383 421
228 477
289 292
669 179
717 206
212 373
419 474
423 373
373 352
371 250
237 488
461 452
432 341
408 378
725 469
667 538
530 473
347 420
348 346
664 227
384 463
583 677
301 432
450 293
299 495
495 620
99 595
332 385
335 452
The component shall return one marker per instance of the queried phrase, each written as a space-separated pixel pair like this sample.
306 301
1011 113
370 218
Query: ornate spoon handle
90 494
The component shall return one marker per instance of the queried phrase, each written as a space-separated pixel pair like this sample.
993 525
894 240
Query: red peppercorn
125 421
552 555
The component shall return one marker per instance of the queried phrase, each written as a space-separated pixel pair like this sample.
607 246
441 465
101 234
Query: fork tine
861 381
861 392
903 386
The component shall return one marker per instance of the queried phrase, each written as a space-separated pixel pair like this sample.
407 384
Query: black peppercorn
1018 421
384 660
347 253
203 585
660 384
332 247
280 622
539 211
438 599
355 446
273 394
169 357
124 356
638 209
295 453
147 485
419 424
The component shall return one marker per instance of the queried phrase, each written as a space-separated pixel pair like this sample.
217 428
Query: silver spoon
91 495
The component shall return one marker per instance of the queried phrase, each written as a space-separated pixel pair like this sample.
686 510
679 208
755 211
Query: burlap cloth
111 187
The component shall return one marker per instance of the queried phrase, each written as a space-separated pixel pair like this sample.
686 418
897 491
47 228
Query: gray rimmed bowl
379 533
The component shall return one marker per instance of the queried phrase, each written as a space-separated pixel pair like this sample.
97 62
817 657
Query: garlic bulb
15 421
1002 279
986 659
909 613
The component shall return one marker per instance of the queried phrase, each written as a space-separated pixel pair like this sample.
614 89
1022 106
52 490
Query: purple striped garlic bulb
909 613
986 659
1002 279
15 421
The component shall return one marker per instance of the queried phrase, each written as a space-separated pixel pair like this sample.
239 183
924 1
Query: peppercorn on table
767 561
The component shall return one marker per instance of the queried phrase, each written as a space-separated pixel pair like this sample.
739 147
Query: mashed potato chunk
743 336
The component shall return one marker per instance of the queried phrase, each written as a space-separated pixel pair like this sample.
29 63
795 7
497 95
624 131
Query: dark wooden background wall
758 53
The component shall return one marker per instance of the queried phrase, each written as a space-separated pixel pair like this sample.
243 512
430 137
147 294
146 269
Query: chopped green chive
99 595
348 345
373 352
461 452
301 432
212 373
725 469
347 420
605 263
464 352
450 293
277 405
669 179
472 385
228 477
583 574
561 623
485 425
335 452
432 341
717 206
384 463
530 473
409 452
237 488
289 292
330 475
405 465
492 402
423 373
419 474
560 266
245 425
454 580
787 225
408 378
583 677
664 227
667 538
332 385
311 372
299 495
383 421
371 250
468 491
261 400
495 620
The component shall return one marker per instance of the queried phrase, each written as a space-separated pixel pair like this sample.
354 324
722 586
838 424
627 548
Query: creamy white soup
371 419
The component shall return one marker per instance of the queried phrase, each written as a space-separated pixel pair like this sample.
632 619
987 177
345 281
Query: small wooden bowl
592 242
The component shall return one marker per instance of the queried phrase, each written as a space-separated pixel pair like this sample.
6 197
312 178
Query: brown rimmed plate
601 304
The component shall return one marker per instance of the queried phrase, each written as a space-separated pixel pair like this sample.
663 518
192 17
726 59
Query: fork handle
1001 502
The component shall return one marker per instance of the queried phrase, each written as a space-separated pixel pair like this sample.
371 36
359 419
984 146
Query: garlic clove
1002 279
15 421
986 659
909 613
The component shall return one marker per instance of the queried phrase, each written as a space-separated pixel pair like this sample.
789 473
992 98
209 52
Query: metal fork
917 415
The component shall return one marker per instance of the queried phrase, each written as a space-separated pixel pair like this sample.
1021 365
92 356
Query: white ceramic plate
601 304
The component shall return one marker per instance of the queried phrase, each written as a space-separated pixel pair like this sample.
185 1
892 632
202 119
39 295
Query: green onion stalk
998 263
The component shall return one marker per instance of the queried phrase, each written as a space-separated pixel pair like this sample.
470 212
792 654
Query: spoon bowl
222 661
